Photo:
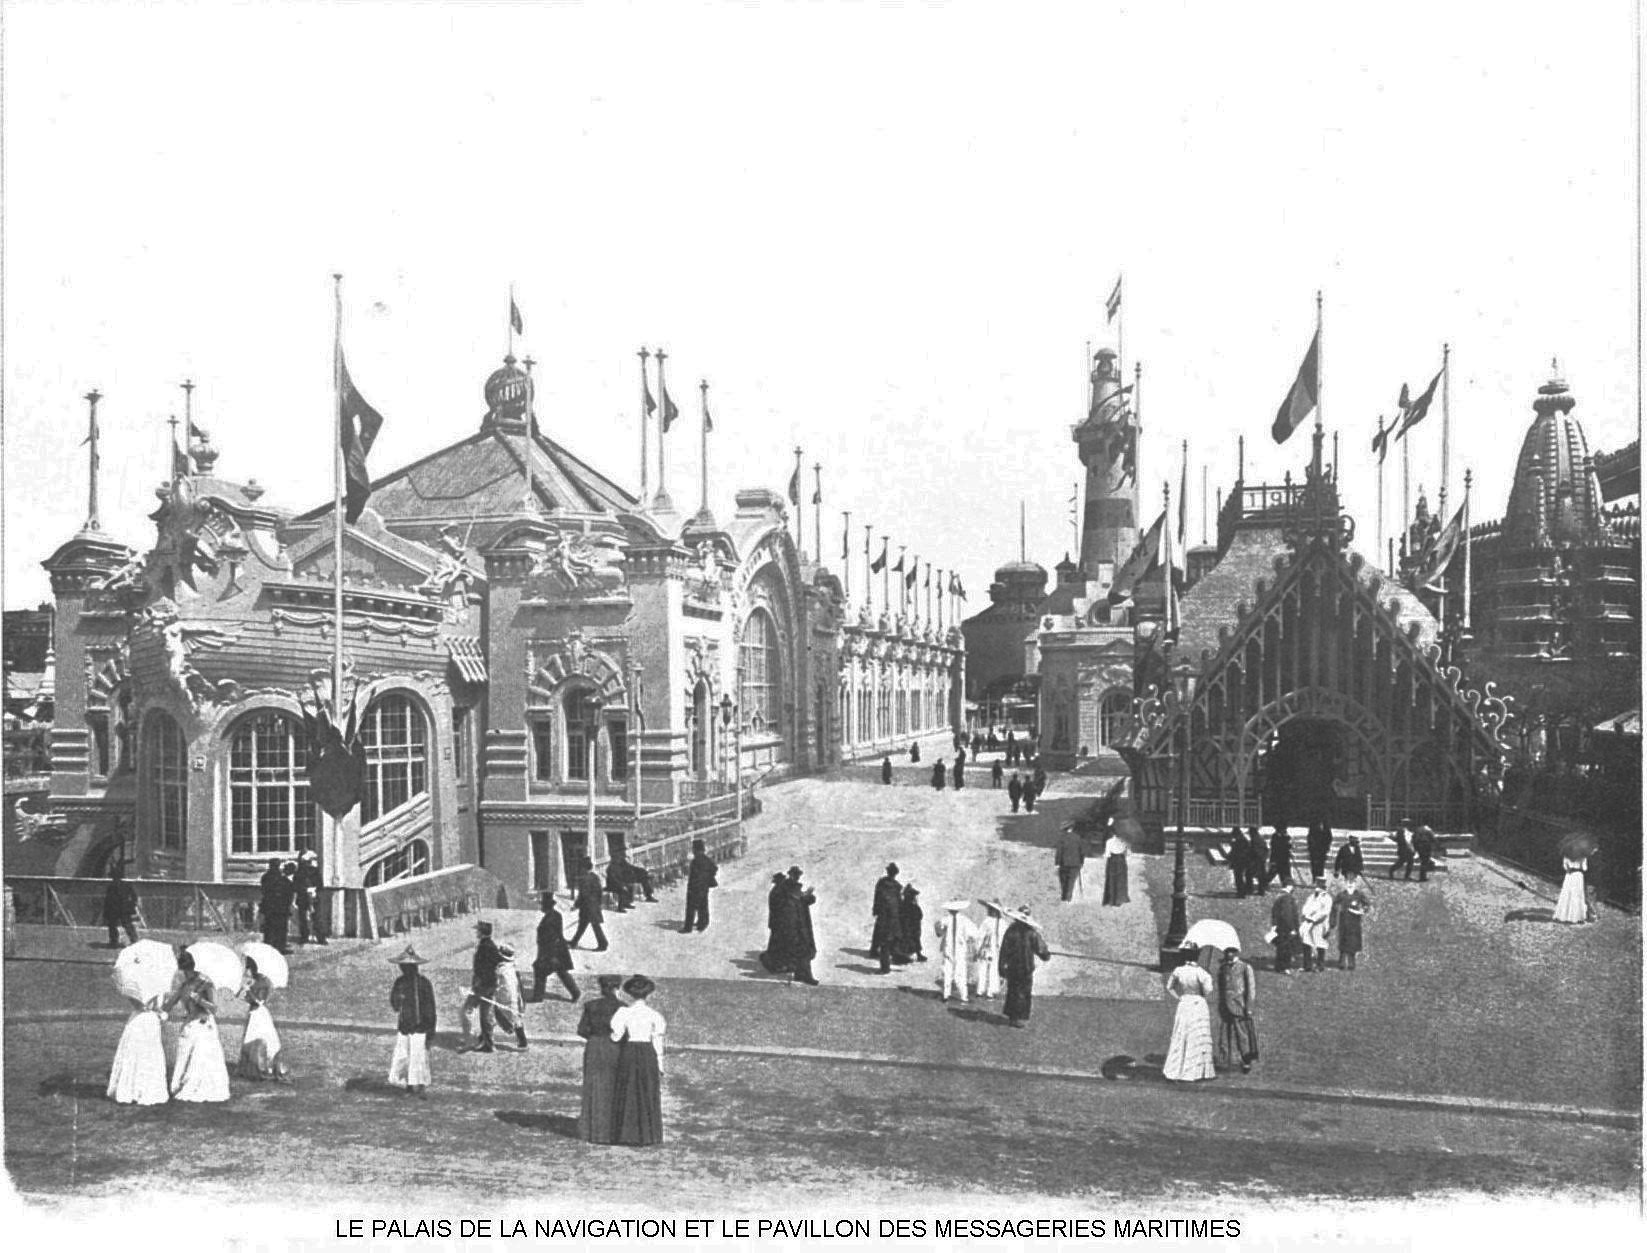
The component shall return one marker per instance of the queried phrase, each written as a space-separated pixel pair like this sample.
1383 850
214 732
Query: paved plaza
1479 1049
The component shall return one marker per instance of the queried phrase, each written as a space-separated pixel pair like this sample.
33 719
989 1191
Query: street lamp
1178 924
729 718
591 709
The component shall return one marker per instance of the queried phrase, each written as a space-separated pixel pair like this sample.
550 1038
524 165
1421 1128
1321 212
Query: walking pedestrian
510 1010
776 958
987 973
1240 857
1351 862
886 770
1349 910
801 946
996 773
587 898
1021 947
1281 855
1403 851
1284 922
1189 1051
938 775
138 1076
1315 925
911 925
600 1061
483 986
637 1099
306 899
120 906
915 753
1572 905
1069 857
888 903
1115 870
1040 778
957 945
413 1000
959 772
1424 851
1258 875
260 1044
554 955
700 877
1237 1033
1029 796
275 906
1015 790
200 1072
1318 843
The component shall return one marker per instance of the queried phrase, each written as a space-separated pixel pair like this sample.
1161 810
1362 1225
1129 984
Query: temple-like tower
1108 443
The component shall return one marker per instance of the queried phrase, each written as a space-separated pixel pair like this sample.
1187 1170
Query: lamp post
730 719
637 725
591 709
1178 924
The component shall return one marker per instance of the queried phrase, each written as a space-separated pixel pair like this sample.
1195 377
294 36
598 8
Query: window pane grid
270 811
393 736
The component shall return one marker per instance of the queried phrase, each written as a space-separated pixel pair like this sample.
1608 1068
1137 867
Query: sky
883 234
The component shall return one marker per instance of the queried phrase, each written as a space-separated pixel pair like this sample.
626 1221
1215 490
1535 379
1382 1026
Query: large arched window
269 806
166 767
394 735
759 666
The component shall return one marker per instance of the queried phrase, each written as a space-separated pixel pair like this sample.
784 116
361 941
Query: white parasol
1211 931
217 962
145 970
271 962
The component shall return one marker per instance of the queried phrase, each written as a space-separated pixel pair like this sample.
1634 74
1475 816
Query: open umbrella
1211 931
1577 844
271 962
217 962
145 970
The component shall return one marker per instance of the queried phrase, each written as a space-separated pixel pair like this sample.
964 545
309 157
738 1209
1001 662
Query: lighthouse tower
1108 444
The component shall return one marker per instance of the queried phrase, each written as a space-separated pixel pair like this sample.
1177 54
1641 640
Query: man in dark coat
306 898
959 770
1350 861
554 955
617 883
1281 856
586 895
1260 874
1318 843
413 1000
960 755
1403 851
120 907
1030 793
938 775
275 905
1284 917
777 957
1015 790
886 769
915 753
798 902
1040 779
996 773
632 877
1241 861
1011 750
888 932
1070 856
912 922
1021 945
483 988
1424 850
700 877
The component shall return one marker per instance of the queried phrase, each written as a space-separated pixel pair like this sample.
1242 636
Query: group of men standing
1255 863
288 888
1026 789
790 946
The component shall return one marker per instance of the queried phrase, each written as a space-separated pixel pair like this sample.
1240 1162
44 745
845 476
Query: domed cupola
1019 583
1555 498
508 395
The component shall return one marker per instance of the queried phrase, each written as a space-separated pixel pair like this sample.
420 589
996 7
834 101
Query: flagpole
1406 495
171 455
1464 622
1023 546
1120 325
703 394
846 559
886 579
511 351
869 584
94 461
1446 425
903 588
662 502
646 469
328 861
1383 447
800 517
940 600
1320 388
817 512
1137 452
529 504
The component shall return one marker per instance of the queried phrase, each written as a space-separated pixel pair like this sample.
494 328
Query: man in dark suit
803 948
587 893
483 988
1318 843
1015 790
1241 861
1069 858
554 957
306 897
700 877
1284 917
1403 851
275 906
889 895
120 906
1424 850
1350 861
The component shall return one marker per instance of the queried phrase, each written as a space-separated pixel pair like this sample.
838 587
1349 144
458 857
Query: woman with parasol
637 1101
200 1072
1573 905
260 1046
138 1076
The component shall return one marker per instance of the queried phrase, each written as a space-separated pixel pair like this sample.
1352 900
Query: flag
1112 306
795 485
879 564
1381 441
960 588
670 413
336 763
1301 397
197 433
899 568
1439 554
846 541
929 576
1413 411
708 422
1140 562
817 493
914 573
646 393
357 426
515 323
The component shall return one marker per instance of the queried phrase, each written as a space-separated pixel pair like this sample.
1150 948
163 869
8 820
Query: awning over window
467 658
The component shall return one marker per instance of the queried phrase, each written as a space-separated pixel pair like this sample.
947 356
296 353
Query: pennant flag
515 323
646 395
1140 562
1413 411
670 413
914 573
929 576
357 425
198 433
708 422
879 564
1301 397
1440 551
899 568
960 588
1112 306
795 485
845 541
817 494
1381 441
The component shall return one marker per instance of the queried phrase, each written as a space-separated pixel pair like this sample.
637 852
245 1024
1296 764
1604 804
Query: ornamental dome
1555 498
508 393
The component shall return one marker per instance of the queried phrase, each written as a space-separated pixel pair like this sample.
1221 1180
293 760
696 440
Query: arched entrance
1296 770
702 716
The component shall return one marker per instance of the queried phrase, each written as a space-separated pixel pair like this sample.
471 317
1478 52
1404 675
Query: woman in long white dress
260 1047
138 1076
1571 905
199 1073
1189 1053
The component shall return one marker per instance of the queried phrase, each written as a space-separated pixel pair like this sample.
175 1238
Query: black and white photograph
722 624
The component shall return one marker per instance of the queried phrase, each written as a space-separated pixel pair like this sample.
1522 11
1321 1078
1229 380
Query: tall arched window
759 673
580 733
166 765
269 806
395 737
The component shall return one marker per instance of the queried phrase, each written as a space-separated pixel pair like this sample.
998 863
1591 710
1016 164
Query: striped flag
515 324
1302 396
1112 306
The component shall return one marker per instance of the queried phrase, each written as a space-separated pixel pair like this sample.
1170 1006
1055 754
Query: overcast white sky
883 234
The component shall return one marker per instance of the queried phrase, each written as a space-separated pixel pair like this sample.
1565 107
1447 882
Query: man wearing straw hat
990 933
413 999
1020 947
957 941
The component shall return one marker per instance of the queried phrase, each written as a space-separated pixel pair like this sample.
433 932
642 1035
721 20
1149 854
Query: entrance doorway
1296 769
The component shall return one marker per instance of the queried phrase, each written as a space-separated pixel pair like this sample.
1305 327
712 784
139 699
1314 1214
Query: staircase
1377 852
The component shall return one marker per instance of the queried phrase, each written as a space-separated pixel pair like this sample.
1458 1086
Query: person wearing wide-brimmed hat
802 947
637 1101
776 955
957 943
988 951
413 1000
600 1060
1021 946
199 1071
911 925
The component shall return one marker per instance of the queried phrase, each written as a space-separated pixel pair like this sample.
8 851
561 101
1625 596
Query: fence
662 842
419 900
169 904
1441 815
1219 813
694 790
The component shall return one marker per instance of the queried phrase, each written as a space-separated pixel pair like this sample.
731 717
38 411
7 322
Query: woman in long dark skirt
1115 871
637 1103
600 1061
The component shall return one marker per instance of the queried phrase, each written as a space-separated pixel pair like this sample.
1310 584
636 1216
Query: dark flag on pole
1414 411
899 568
914 571
646 395
337 758
1381 441
845 540
795 485
1112 306
670 412
879 564
357 427
515 323
1301 397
